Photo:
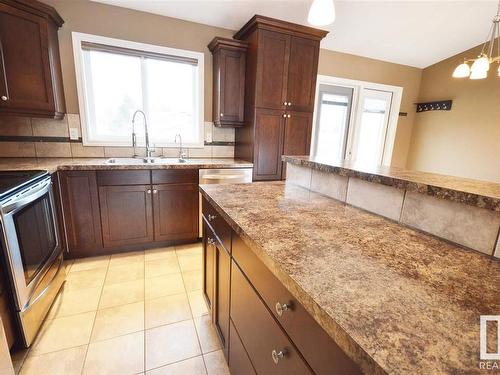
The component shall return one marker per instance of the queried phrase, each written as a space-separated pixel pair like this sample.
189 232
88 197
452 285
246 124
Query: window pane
333 121
371 132
171 100
112 99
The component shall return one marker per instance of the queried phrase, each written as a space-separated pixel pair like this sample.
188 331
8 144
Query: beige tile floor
133 313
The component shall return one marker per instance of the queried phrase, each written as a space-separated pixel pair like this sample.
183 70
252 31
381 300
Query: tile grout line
95 317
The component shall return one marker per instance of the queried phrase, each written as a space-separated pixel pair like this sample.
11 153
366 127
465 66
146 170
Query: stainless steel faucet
182 153
149 151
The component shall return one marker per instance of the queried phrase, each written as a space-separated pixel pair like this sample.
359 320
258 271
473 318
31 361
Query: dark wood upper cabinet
175 211
80 207
269 133
272 68
302 72
229 57
282 65
30 67
126 215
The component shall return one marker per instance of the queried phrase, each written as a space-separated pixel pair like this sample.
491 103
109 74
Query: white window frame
78 55
356 110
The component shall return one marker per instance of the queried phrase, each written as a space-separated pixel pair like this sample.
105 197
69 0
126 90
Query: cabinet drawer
239 363
174 176
262 337
138 177
219 225
320 351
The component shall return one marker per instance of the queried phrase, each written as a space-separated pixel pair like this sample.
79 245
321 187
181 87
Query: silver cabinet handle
4 98
155 191
288 116
285 103
278 355
211 241
280 308
221 114
284 115
148 191
211 217
289 104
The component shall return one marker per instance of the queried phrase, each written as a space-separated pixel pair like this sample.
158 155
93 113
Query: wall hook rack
442 105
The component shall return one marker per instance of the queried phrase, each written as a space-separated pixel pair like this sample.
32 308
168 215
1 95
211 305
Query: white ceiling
417 33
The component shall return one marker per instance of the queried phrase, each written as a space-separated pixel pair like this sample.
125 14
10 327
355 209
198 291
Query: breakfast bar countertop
396 300
82 164
483 194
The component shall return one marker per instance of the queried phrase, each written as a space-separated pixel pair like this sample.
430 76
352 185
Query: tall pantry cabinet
280 85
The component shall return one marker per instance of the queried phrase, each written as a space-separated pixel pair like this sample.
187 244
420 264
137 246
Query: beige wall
364 69
105 20
466 140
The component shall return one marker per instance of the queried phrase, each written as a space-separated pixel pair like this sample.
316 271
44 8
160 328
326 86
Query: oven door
32 246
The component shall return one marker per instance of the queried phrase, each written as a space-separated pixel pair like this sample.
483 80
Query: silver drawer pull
278 355
148 191
211 217
4 98
280 308
211 241
155 191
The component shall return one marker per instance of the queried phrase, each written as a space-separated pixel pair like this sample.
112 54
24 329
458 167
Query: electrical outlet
73 134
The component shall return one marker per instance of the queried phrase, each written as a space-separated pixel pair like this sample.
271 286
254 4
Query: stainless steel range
31 246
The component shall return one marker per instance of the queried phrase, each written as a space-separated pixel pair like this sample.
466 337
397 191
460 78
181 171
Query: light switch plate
73 133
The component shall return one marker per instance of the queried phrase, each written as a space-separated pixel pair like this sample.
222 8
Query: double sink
157 160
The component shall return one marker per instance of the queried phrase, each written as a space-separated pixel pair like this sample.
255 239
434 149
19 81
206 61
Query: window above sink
116 77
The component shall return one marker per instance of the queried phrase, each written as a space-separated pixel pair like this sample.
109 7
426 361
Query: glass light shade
482 64
478 74
321 13
462 71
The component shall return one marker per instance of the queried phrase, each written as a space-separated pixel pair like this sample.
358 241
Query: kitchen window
355 121
116 77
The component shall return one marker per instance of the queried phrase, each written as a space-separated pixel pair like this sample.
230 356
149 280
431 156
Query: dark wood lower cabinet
80 206
126 215
268 347
222 293
208 265
175 209
256 336
239 363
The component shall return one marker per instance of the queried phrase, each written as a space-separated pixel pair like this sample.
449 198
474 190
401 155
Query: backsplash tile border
217 143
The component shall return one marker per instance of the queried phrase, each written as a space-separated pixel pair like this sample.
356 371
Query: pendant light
321 13
481 65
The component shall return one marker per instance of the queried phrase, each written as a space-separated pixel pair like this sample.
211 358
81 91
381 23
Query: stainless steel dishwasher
223 176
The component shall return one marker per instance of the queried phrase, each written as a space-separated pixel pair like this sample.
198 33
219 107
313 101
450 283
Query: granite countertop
397 301
476 193
81 164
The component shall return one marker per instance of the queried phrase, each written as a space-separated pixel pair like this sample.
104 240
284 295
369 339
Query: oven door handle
31 301
41 189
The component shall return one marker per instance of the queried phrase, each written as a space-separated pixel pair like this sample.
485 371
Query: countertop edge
337 333
447 193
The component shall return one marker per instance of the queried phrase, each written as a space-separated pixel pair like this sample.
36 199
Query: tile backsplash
35 137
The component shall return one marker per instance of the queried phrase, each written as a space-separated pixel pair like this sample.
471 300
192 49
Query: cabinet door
268 347
230 66
175 212
208 264
126 215
80 207
272 69
222 292
297 138
25 71
268 144
239 363
302 71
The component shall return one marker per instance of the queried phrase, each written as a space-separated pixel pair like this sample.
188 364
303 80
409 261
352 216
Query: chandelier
481 65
